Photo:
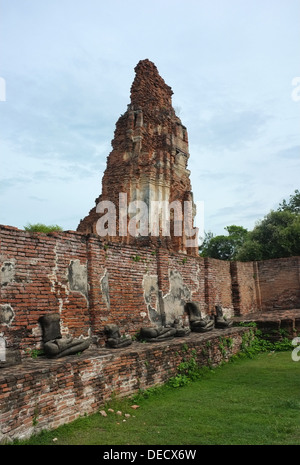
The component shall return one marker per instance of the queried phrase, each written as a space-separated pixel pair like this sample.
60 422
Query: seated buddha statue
157 334
114 338
55 345
221 321
198 324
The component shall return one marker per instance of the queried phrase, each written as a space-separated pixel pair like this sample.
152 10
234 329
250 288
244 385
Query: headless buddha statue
114 338
221 321
54 344
198 324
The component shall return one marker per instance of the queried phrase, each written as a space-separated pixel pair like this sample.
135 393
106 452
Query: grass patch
251 401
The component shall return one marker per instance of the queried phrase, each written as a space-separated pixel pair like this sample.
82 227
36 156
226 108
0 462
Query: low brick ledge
42 394
271 314
274 319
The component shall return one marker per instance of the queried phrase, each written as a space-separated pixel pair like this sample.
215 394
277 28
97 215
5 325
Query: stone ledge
43 364
275 320
270 315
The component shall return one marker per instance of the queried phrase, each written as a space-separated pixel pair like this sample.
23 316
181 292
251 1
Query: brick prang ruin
149 157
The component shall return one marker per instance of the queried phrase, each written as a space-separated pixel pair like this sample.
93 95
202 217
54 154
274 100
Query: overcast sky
68 66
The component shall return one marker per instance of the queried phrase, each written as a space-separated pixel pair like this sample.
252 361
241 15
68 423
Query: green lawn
249 402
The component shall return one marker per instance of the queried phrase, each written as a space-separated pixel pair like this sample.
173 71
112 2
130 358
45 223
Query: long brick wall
91 283
44 394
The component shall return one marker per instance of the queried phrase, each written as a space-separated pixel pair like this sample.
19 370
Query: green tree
224 247
293 205
203 248
276 236
40 227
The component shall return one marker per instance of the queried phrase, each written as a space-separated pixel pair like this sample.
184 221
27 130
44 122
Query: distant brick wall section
44 394
279 283
245 288
218 285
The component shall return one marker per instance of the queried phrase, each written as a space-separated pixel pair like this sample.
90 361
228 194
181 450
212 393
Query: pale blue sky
68 67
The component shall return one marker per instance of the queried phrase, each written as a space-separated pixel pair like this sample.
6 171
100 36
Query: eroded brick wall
116 279
40 274
44 394
92 283
245 288
218 285
279 283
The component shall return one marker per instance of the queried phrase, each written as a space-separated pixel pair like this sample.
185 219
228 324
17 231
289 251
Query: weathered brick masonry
44 394
279 283
245 289
38 276
92 283
148 163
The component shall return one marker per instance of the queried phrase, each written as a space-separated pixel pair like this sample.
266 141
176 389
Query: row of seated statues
197 323
55 345
203 324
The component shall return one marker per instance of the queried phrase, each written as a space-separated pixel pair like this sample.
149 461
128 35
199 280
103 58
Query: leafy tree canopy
224 247
293 205
276 235
39 227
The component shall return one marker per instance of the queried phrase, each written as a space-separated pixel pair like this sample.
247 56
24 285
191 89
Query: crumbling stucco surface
6 314
151 296
104 283
178 294
77 277
164 309
7 273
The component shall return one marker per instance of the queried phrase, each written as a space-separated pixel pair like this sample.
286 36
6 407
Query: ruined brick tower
148 163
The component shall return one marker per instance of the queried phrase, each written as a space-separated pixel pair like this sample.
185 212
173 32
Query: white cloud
68 68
